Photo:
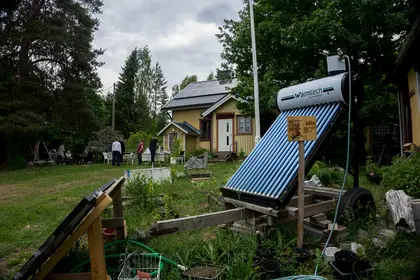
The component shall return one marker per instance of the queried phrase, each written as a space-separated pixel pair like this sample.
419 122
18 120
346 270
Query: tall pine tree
161 97
125 110
175 90
144 89
159 89
187 80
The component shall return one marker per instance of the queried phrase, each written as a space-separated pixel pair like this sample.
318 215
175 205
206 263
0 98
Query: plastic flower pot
271 267
109 234
345 260
301 255
330 253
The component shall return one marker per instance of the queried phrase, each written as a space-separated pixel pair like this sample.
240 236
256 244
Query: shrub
102 140
196 153
330 177
372 167
15 162
403 174
134 140
315 169
176 148
141 190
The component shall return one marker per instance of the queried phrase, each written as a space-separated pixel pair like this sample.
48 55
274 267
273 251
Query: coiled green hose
78 267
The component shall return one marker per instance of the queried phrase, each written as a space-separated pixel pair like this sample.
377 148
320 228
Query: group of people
118 149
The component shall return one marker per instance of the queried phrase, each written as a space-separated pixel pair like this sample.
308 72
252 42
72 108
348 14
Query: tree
175 90
144 89
225 72
125 110
101 140
159 97
211 77
293 38
48 73
187 80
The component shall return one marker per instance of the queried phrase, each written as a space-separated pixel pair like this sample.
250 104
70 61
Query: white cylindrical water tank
325 90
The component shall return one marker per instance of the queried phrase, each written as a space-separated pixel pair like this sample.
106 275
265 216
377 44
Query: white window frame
245 126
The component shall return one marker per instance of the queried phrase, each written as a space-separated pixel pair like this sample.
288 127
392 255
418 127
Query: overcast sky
179 33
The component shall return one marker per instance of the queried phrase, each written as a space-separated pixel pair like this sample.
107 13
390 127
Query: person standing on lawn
152 147
140 149
60 154
116 153
122 149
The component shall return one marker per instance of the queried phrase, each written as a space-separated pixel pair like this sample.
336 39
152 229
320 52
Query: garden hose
302 277
345 172
78 267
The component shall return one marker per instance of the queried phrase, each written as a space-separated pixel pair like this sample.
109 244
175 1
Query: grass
34 201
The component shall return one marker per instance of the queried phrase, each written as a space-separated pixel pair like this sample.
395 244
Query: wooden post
301 194
96 251
118 211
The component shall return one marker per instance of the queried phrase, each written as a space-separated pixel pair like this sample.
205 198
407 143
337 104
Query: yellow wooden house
407 77
205 116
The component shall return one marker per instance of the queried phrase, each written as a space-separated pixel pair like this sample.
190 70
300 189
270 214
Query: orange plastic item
143 275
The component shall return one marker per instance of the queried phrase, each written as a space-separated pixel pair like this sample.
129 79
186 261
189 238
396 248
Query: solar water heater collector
268 176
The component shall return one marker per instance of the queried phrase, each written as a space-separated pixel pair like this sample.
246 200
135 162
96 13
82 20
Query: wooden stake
96 251
301 194
118 211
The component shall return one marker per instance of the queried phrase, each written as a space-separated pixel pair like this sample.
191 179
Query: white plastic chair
107 156
132 158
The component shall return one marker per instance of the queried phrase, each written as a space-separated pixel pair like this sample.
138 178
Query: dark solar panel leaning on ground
61 233
268 176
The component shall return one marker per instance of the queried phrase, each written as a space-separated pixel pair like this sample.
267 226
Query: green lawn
34 201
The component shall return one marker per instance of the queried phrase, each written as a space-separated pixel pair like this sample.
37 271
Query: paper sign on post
301 128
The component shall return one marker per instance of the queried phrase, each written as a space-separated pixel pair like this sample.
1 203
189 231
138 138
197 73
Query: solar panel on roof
268 176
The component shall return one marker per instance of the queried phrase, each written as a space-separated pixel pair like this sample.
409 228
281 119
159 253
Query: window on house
244 125
205 129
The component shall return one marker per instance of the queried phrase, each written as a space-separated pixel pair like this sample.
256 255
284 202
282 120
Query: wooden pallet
315 203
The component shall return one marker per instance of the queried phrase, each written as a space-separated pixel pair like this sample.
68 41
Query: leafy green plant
242 153
141 190
199 152
15 162
176 148
101 140
372 167
404 175
315 169
330 177
134 140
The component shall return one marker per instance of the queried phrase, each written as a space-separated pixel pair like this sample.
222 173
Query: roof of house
409 48
183 126
218 104
200 94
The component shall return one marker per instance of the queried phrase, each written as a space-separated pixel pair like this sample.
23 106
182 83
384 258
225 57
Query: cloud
216 12
180 35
